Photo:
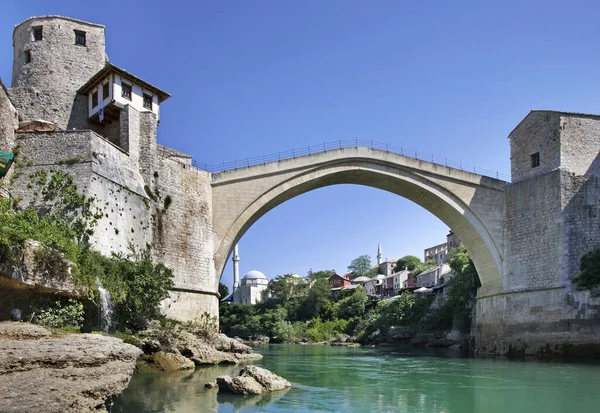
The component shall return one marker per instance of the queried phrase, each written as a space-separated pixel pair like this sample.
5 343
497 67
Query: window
535 160
27 56
79 38
125 90
105 91
37 33
147 101
95 99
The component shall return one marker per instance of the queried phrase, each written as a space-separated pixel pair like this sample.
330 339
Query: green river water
349 379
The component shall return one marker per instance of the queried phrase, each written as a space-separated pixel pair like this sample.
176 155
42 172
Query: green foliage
360 266
223 290
50 261
423 267
351 306
317 302
589 277
61 204
62 219
408 262
62 314
149 192
406 310
206 326
317 275
137 286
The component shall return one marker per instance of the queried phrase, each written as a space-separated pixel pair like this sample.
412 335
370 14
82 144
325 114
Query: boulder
240 385
172 361
267 379
70 373
252 380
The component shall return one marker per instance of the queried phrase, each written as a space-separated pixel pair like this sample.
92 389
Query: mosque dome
254 275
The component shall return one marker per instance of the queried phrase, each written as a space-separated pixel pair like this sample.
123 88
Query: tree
462 287
352 306
223 290
317 302
360 266
408 262
281 288
589 277
317 275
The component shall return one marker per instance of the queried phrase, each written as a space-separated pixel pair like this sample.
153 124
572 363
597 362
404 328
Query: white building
400 280
112 88
249 292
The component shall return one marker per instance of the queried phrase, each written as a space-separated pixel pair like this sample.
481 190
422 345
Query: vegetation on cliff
63 220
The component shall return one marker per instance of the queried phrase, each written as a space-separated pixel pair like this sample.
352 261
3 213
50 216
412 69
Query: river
350 379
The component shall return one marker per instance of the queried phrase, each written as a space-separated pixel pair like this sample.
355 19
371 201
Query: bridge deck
356 143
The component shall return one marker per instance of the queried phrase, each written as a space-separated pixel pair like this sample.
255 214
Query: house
409 283
337 281
400 279
373 287
438 253
434 276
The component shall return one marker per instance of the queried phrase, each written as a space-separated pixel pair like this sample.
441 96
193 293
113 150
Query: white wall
137 100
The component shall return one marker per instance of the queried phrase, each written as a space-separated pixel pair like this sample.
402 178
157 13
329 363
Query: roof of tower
253 275
54 16
109 68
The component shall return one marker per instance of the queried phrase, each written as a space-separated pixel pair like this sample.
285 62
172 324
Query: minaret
236 268
379 253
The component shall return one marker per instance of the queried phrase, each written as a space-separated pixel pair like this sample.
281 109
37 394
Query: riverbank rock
200 349
252 380
172 361
70 373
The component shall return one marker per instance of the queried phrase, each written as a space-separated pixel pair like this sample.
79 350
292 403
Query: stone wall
184 237
538 132
57 69
8 121
101 170
532 257
550 322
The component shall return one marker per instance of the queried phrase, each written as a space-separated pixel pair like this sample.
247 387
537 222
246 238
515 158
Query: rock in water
267 379
252 380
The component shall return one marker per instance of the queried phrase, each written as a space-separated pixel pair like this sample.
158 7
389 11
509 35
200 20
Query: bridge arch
470 204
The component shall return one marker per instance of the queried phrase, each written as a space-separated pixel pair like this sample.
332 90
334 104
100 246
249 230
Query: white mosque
253 284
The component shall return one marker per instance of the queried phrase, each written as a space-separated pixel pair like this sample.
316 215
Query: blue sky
256 77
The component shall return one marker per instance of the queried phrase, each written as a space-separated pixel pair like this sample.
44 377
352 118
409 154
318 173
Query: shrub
69 314
589 277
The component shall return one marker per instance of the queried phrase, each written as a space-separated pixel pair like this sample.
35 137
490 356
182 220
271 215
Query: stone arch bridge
471 204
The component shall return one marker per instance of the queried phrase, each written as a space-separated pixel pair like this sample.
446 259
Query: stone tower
53 57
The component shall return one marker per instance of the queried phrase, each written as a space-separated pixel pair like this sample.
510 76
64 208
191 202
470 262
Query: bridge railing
348 143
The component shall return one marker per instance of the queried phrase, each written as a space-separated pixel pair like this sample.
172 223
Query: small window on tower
105 91
27 56
79 38
147 101
535 160
37 33
95 99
